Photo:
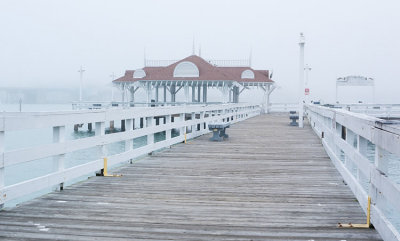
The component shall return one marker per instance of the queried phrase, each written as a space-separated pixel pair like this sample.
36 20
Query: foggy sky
43 43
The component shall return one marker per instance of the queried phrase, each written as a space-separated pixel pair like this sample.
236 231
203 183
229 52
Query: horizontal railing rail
362 148
283 107
97 105
377 110
190 120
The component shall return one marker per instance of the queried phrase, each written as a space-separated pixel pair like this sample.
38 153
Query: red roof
207 71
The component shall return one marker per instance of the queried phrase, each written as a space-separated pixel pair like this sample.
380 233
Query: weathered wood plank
269 181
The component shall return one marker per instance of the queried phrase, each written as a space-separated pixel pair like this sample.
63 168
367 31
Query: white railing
97 105
379 110
283 107
362 148
183 118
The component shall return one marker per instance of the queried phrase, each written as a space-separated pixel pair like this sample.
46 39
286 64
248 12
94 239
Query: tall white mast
301 80
81 70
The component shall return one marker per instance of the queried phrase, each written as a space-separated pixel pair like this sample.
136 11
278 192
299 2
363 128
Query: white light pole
81 70
112 86
301 80
307 70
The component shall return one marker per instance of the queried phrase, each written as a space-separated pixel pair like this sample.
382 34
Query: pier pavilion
197 74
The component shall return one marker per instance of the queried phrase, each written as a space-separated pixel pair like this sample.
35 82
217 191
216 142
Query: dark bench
293 117
218 130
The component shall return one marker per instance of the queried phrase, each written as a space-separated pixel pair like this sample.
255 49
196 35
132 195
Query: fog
43 43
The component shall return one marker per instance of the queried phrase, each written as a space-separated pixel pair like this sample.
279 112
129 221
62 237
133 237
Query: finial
302 39
200 50
144 56
250 56
193 53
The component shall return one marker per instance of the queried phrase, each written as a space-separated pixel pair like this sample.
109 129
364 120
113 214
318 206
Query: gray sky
43 43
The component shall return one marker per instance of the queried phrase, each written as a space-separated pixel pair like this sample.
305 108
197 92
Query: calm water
28 138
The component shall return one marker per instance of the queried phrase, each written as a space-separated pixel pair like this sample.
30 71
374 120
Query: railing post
149 123
129 127
169 131
1 168
381 159
194 126
182 130
58 161
100 130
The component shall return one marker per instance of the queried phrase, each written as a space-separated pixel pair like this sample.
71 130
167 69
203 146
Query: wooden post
150 123
165 93
198 93
168 133
193 93
122 125
129 142
89 127
100 131
193 125
111 126
182 130
58 161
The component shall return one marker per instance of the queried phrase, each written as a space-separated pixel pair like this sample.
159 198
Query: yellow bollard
367 225
105 173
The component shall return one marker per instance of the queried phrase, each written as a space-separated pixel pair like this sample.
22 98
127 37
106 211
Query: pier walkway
269 181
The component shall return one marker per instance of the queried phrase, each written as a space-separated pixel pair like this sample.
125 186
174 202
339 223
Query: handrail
347 138
194 117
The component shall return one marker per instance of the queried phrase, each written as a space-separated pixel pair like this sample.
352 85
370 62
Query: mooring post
58 160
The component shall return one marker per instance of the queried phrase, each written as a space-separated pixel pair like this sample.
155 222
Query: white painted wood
59 147
360 129
2 143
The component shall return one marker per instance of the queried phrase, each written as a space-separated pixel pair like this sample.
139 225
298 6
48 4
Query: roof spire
144 56
200 50
250 56
193 53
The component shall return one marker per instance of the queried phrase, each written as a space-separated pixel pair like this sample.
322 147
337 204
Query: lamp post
81 70
301 80
112 87
307 70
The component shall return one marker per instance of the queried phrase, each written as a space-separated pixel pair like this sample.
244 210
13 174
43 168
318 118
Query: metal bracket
367 225
105 173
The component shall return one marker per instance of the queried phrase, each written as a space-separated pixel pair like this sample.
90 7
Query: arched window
247 74
139 73
186 69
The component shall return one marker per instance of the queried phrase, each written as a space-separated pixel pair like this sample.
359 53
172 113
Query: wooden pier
268 181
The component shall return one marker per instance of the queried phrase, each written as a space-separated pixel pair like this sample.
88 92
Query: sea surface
34 137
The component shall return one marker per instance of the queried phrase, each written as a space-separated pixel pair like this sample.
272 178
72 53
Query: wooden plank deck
269 181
